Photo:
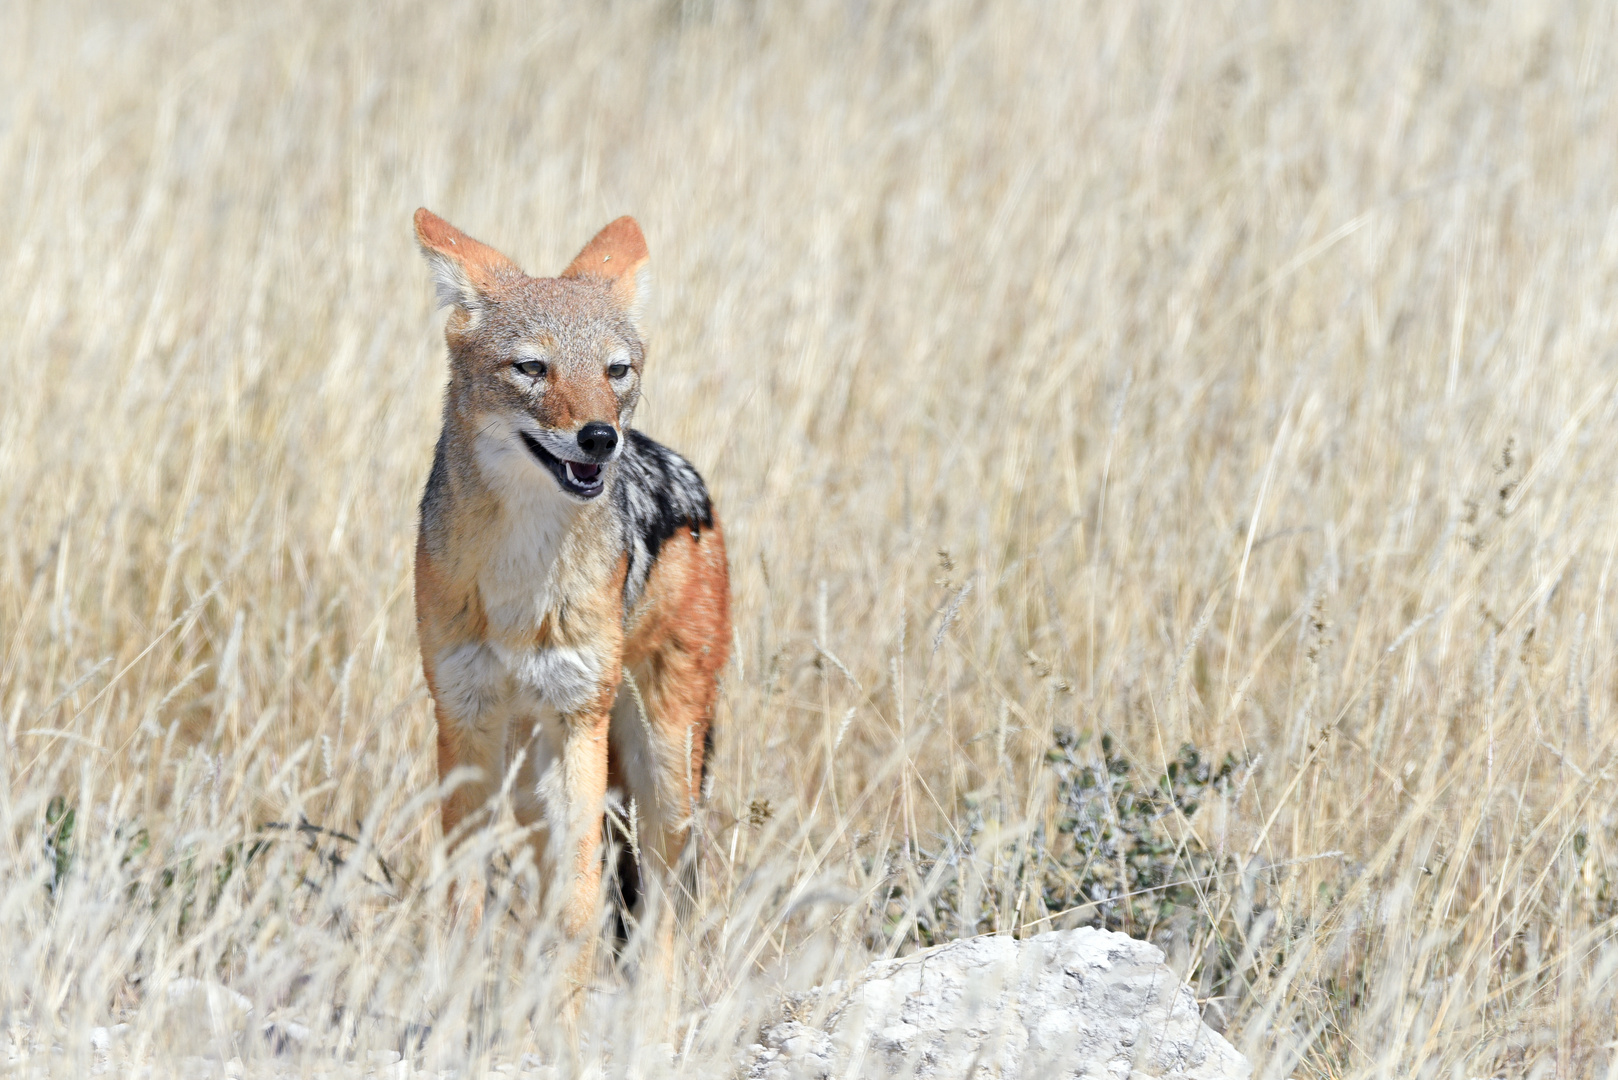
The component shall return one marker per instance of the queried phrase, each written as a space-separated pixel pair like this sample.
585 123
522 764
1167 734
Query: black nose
598 440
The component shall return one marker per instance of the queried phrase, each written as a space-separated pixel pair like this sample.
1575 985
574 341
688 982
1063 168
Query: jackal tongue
583 473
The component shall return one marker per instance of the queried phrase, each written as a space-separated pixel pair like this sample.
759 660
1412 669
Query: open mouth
580 478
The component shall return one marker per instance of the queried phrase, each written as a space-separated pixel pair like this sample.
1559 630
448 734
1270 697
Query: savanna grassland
1168 455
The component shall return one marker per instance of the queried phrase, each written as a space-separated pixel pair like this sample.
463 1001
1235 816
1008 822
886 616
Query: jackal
570 571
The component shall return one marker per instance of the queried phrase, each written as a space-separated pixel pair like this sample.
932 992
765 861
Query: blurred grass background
1166 451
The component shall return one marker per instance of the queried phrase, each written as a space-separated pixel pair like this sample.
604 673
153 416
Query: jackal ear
618 255
465 271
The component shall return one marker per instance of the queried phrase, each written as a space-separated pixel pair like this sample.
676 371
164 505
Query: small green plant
59 822
1121 851
1113 853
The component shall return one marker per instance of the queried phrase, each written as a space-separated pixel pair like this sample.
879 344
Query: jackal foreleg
584 789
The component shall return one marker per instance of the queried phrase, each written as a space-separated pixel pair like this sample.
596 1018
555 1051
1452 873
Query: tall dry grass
1232 373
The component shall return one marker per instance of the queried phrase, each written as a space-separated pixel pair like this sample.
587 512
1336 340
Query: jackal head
544 372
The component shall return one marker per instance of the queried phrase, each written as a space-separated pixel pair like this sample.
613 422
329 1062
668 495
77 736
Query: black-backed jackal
561 555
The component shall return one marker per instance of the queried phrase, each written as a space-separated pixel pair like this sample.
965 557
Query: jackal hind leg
658 754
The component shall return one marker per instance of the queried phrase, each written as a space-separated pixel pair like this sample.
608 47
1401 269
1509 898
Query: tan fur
523 588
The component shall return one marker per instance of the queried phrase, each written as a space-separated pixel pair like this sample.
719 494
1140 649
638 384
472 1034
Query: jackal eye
617 371
534 369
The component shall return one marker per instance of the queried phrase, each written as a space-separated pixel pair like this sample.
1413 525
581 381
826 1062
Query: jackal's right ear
618 256
466 272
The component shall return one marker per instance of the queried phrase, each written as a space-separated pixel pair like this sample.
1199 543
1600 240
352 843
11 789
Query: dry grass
1234 373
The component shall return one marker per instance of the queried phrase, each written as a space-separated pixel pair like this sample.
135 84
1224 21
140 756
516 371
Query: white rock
1069 1004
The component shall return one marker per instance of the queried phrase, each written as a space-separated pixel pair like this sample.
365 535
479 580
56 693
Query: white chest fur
484 683
518 581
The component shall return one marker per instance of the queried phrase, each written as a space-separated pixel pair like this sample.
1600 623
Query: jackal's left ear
618 254
465 271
